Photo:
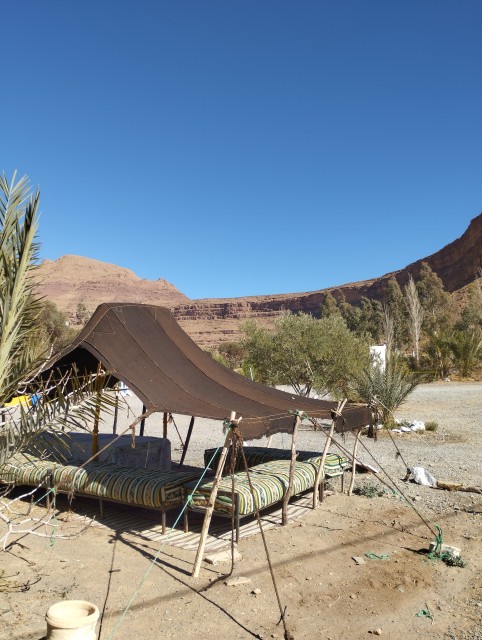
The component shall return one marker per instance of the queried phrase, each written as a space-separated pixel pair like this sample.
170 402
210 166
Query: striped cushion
270 483
334 464
136 486
31 473
141 487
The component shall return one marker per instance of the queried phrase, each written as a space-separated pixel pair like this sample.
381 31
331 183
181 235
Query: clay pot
72 620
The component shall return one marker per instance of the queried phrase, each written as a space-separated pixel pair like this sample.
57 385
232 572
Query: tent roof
144 347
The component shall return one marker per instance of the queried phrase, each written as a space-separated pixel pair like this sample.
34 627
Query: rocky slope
72 279
213 321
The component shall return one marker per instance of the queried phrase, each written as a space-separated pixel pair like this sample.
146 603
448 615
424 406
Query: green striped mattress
270 482
334 464
137 486
30 472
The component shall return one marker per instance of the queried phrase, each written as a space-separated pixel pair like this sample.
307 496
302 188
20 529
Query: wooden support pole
212 499
164 425
353 467
143 421
289 491
116 410
320 473
188 438
98 402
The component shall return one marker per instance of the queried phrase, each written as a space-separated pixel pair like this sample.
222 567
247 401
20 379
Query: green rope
158 552
435 554
374 556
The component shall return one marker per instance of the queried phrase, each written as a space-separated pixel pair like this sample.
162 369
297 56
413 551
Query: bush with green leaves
305 353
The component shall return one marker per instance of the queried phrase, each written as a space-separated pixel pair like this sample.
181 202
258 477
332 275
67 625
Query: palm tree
41 425
387 388
18 304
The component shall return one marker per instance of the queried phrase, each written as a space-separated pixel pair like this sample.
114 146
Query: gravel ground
452 453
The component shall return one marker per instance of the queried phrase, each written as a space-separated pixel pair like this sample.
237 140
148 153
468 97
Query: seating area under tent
143 348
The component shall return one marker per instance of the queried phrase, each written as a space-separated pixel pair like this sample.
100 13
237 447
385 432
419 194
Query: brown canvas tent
144 347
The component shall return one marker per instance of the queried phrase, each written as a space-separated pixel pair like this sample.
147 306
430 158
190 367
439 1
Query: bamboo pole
212 499
353 467
289 492
321 469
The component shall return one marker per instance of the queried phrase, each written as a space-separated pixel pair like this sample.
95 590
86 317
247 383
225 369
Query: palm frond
42 427
18 252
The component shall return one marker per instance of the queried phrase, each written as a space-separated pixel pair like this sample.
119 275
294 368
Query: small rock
223 556
256 591
377 632
353 596
235 582
359 560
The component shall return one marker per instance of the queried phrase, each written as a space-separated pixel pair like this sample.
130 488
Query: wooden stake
353 468
212 499
289 492
321 469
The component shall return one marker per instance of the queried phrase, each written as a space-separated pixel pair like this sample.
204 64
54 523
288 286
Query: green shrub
369 490
431 426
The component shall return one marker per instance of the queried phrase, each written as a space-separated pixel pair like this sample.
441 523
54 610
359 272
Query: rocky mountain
71 279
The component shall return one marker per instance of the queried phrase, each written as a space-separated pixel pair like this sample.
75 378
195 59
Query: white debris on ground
408 426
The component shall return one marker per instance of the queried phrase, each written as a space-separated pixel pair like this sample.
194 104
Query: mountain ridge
209 321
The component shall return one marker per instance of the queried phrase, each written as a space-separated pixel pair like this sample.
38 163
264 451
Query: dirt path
326 594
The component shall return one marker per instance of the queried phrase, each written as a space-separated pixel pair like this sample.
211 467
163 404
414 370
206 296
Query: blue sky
245 148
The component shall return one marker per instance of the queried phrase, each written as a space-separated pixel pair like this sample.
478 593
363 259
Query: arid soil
144 587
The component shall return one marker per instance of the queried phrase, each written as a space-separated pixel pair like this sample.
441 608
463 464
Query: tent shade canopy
144 347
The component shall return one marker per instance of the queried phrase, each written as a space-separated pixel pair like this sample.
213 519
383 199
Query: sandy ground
144 588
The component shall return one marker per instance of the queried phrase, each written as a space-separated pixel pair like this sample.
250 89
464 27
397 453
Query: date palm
19 310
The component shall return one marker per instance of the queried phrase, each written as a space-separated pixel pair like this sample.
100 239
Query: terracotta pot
72 620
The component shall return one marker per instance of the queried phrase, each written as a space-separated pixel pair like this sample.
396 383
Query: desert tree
416 314
438 305
305 353
388 325
395 303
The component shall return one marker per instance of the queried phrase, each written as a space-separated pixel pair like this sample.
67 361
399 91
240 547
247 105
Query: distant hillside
72 279
210 322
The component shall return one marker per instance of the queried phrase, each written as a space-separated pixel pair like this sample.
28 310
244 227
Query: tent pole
164 425
143 421
212 499
116 410
353 468
95 431
321 469
186 444
289 492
